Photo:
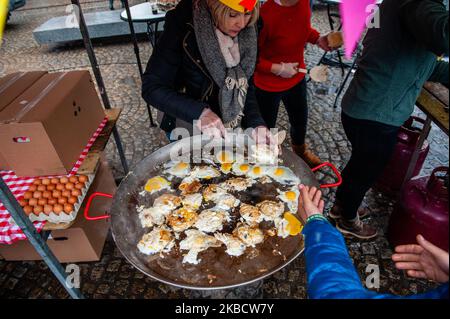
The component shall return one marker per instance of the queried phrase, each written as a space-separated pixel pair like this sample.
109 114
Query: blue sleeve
330 270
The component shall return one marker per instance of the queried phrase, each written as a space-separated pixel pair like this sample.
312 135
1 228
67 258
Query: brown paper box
45 129
84 240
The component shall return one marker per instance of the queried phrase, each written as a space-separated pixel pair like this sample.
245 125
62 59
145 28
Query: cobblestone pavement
113 276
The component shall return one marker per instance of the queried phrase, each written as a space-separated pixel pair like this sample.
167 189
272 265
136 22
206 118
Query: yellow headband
240 5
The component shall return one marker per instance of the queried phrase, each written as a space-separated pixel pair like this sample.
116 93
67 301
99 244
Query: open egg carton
56 199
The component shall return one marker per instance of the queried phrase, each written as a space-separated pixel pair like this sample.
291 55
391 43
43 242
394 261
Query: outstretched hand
309 202
424 260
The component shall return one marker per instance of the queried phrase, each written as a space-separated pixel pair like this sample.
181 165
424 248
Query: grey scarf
233 82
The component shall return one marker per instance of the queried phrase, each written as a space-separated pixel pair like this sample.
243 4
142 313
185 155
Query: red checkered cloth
10 233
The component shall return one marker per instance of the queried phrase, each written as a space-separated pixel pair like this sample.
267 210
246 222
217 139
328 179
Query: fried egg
270 209
235 247
263 154
290 197
251 214
160 239
178 169
282 226
189 186
196 242
212 191
257 171
192 201
226 201
250 236
167 201
283 175
156 184
211 220
153 216
289 225
225 168
224 157
241 168
182 219
237 184
204 172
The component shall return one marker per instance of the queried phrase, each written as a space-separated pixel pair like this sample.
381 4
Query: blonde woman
202 67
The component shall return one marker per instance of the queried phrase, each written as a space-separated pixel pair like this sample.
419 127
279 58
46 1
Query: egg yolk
279 172
257 170
181 166
243 167
294 225
155 184
290 195
226 166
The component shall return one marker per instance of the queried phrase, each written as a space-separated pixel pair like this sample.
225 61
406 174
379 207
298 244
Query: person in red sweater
286 30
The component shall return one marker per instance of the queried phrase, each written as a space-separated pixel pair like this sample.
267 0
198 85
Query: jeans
296 105
373 144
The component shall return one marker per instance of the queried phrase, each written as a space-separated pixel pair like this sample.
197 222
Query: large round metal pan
217 270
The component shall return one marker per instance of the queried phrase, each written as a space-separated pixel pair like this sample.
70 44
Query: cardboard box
44 130
11 87
84 240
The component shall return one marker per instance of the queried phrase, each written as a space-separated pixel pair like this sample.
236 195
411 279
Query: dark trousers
296 105
373 144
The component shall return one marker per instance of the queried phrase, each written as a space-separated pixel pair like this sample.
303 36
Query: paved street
113 276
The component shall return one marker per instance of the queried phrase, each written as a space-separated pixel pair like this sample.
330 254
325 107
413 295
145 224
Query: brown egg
33 188
68 208
42 188
28 195
37 182
62 200
56 194
63 180
79 186
45 181
51 187
46 194
32 202
66 193
38 209
37 194
70 186
28 210
82 178
73 179
57 208
54 181
52 201
60 187
72 200
76 192
42 201
23 202
48 209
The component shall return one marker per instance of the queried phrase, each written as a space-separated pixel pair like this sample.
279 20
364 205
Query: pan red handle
336 172
88 206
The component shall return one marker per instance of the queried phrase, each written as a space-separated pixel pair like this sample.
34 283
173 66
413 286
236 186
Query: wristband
314 217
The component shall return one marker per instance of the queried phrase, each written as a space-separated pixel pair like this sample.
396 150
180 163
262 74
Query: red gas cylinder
422 209
394 174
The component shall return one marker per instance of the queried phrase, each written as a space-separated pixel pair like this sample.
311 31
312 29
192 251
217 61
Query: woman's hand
322 43
285 70
309 202
210 124
425 260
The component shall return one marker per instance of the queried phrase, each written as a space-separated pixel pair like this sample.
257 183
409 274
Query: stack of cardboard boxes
46 120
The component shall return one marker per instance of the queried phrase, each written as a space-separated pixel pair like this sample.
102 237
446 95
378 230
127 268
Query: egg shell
37 182
37 194
23 202
42 188
73 179
51 187
32 202
48 209
28 195
60 187
38 209
56 194
52 201
57 209
66 193
45 181
82 178
68 208
76 192
62 200
54 181
72 200
79 186
28 210
42 201
70 186
64 180
33 188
